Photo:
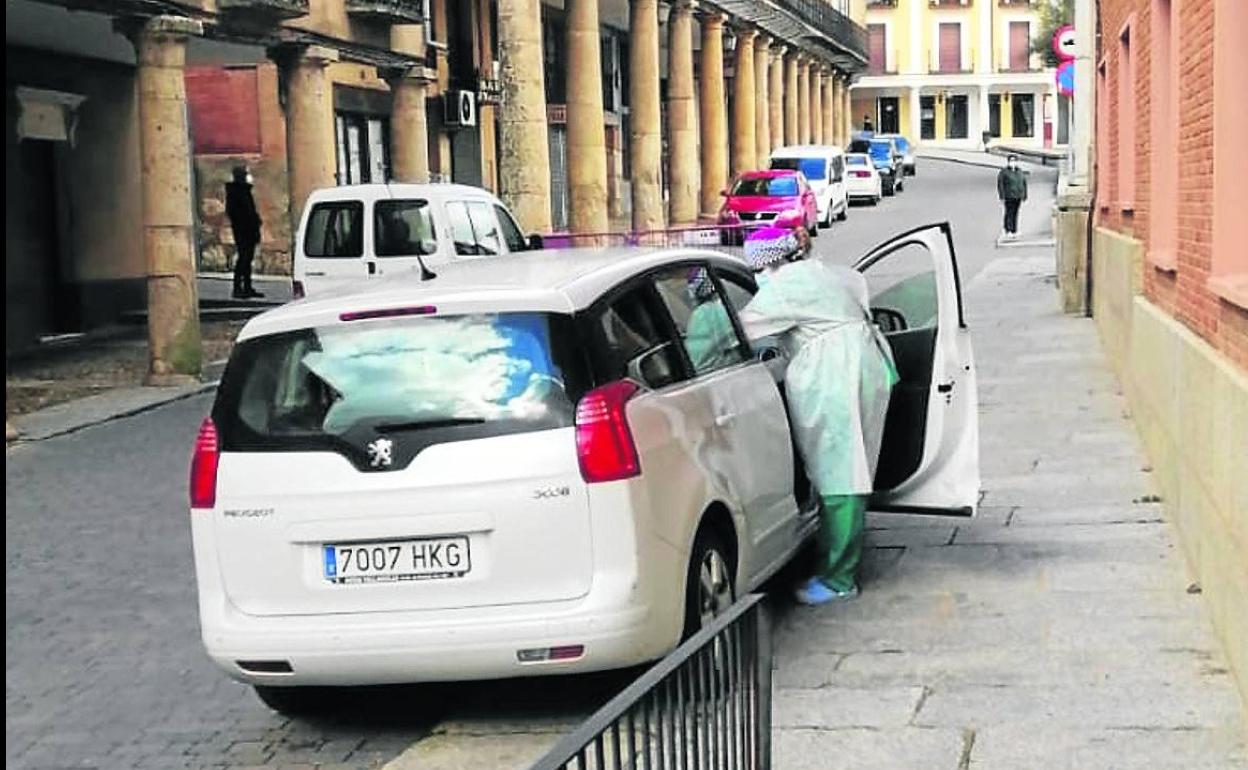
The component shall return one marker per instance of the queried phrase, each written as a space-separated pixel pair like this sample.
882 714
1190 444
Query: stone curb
73 416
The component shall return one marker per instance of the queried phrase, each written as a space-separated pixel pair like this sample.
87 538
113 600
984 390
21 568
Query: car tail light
604 441
204 466
862 174
296 290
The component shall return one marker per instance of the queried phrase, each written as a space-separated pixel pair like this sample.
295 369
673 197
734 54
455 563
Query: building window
950 53
1230 163
1126 117
1020 46
957 123
878 47
1163 222
554 57
363 148
1023 115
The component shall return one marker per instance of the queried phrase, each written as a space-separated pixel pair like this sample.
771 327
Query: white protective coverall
840 370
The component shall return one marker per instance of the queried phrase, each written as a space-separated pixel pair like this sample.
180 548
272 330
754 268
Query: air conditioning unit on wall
461 108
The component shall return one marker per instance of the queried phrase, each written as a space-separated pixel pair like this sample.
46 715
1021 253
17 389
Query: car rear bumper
620 622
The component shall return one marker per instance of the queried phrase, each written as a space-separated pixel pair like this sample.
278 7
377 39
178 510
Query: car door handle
372 268
945 387
724 418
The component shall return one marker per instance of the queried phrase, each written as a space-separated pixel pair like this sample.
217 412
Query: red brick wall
1182 291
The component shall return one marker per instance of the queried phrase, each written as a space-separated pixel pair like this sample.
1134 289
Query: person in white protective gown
839 378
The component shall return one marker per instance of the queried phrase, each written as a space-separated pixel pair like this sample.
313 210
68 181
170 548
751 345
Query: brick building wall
1180 287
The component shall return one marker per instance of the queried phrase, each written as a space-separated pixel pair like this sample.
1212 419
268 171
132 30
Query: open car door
929 456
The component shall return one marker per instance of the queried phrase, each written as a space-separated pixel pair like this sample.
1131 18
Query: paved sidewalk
1056 630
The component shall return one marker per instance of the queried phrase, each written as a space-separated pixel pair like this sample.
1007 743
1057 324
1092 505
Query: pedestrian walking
240 209
839 379
1012 190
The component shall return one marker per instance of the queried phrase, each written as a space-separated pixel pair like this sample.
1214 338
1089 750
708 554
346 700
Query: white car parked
515 470
356 232
862 180
824 168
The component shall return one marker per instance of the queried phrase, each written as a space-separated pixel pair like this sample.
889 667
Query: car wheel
709 587
876 200
844 211
827 220
295 701
889 189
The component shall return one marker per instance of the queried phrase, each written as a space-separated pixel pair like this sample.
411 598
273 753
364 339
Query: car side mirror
428 246
653 368
723 193
536 243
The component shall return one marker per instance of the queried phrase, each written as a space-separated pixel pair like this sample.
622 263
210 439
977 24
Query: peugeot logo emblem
381 453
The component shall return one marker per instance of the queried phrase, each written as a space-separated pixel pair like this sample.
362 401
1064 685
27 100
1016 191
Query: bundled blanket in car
840 371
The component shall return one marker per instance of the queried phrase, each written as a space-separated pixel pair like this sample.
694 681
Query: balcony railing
950 3
881 3
841 30
277 9
396 11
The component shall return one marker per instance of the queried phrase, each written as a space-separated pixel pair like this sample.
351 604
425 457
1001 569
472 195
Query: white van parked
824 167
355 232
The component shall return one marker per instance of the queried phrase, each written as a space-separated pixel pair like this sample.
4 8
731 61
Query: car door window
629 340
903 290
485 228
335 230
701 317
511 231
461 229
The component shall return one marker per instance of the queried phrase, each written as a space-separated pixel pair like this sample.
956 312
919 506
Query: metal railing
707 705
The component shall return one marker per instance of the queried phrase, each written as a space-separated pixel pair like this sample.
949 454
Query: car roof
434 191
767 173
800 150
554 280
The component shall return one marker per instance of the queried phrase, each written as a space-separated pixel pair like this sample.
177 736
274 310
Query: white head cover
768 246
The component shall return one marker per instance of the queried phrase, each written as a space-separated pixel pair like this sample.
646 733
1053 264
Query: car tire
827 221
707 595
890 189
844 212
876 200
295 701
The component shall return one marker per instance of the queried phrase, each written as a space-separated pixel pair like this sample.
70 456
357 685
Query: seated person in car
839 378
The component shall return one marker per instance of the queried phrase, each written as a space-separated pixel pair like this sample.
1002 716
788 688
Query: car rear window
857 160
335 230
766 186
420 380
815 169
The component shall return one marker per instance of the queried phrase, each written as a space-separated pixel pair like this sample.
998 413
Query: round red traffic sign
1064 42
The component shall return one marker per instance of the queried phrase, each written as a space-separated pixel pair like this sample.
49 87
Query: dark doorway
890 115
956 117
927 117
994 115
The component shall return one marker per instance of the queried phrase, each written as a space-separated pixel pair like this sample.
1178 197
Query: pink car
767 196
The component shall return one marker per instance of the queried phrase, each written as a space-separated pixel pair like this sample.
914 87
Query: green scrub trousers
839 545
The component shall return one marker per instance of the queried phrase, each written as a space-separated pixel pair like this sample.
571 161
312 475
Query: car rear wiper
446 422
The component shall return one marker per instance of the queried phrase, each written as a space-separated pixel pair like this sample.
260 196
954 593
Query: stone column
803 101
712 108
816 106
587 136
524 163
775 97
174 349
409 125
309 122
646 129
791 101
744 148
762 105
682 118
829 109
847 118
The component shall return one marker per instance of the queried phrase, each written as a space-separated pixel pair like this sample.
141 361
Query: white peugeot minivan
824 167
516 468
356 232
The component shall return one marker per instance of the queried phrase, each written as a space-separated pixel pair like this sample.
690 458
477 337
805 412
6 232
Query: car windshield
501 373
766 186
815 169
